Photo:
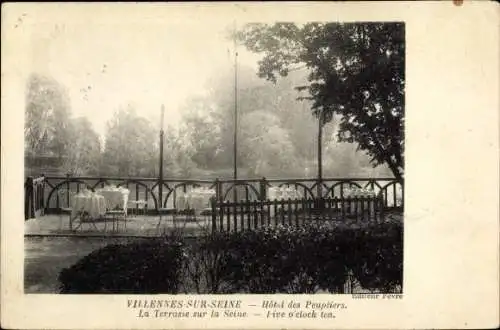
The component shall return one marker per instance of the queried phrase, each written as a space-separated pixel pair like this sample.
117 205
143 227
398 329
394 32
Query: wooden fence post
213 202
263 189
382 208
32 198
402 195
67 189
28 197
348 286
42 197
218 190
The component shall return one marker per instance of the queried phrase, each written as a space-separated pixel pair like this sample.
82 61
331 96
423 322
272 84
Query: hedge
150 266
283 259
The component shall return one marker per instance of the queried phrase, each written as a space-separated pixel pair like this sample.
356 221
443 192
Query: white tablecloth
196 199
116 197
275 193
93 204
362 205
359 192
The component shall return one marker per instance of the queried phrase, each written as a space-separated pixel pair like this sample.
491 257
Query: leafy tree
130 145
47 124
84 150
209 119
202 131
356 72
295 116
266 146
220 102
178 153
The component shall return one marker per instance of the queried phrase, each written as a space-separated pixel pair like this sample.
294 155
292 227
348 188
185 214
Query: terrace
49 202
51 245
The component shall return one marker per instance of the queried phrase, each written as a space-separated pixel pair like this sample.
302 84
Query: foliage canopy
356 71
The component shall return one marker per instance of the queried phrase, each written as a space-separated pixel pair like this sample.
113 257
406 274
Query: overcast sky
105 64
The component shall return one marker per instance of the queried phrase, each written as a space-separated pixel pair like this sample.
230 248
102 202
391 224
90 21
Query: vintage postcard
298 165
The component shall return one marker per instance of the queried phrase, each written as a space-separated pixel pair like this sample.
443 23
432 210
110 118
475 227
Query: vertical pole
160 181
320 158
235 138
235 106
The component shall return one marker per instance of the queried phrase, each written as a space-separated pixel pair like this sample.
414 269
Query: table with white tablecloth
197 199
91 204
115 197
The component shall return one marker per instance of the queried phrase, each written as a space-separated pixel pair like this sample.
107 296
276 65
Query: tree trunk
394 169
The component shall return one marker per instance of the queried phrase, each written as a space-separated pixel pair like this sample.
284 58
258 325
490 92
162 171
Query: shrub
282 259
261 261
285 259
208 264
305 259
150 266
376 258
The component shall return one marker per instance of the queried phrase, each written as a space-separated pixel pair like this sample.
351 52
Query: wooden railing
58 190
238 216
34 198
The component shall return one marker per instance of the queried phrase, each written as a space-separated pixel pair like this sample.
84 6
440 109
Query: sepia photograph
301 165
275 166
